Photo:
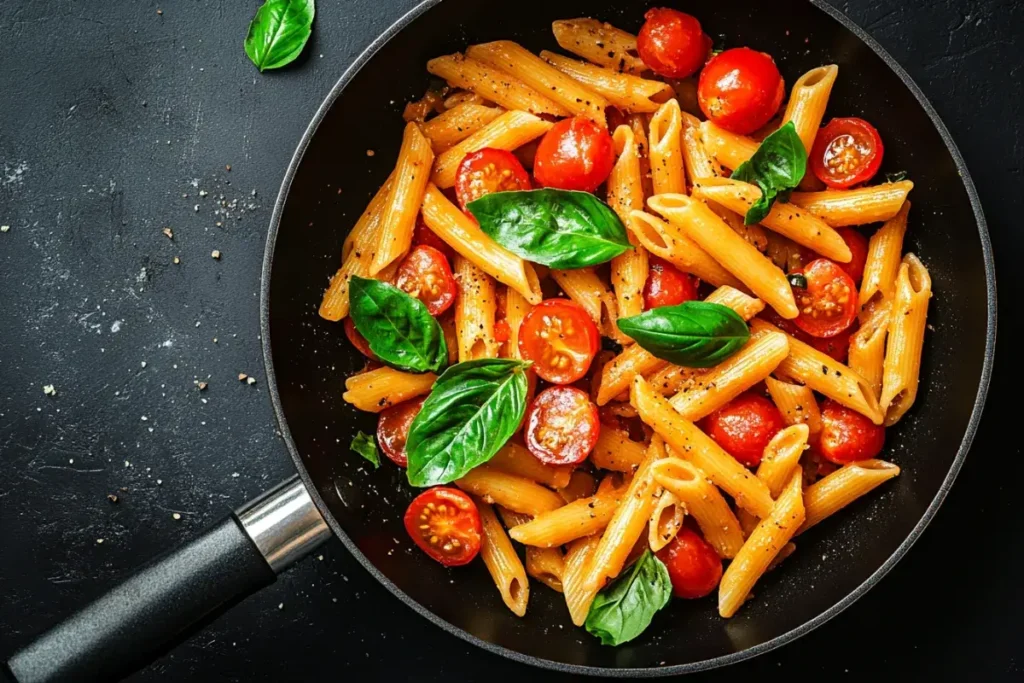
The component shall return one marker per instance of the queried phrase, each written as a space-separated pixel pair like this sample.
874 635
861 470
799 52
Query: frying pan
326 187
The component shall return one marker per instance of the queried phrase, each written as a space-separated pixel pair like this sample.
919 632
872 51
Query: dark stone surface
113 118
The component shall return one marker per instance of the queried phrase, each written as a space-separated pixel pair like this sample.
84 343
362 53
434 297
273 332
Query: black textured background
117 122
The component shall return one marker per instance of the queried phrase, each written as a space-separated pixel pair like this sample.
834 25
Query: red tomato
858 245
837 347
393 429
693 565
489 170
561 340
740 90
426 275
744 426
561 426
667 286
846 152
672 43
828 305
501 331
358 340
576 154
445 524
424 235
847 436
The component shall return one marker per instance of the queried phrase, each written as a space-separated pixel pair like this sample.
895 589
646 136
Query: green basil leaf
694 334
557 228
797 280
470 413
622 611
778 165
397 326
365 446
278 32
896 176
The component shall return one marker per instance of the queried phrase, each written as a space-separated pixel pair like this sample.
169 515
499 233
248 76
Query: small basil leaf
797 280
694 334
398 327
625 609
470 413
778 165
365 446
278 32
557 228
896 176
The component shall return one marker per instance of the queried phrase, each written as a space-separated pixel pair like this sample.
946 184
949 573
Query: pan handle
169 598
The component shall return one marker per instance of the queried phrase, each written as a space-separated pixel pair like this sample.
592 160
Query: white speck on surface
167 344
49 390
14 175
4 228
143 363
280 606
234 475
99 540
176 516
215 253
144 418
159 482
116 326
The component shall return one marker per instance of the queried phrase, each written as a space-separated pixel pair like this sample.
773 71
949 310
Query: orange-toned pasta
475 308
807 102
457 124
577 558
666 521
600 43
518 494
511 130
573 520
830 494
546 565
666 152
901 369
514 458
728 149
871 204
493 85
583 286
796 402
885 249
699 163
701 499
622 90
672 244
382 388
615 451
625 194
502 562
867 344
581 485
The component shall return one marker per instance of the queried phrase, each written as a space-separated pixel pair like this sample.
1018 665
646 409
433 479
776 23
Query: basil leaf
622 611
777 166
365 446
557 228
797 280
694 334
471 412
397 326
896 176
278 32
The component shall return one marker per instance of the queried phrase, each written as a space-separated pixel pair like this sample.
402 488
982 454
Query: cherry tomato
847 436
489 170
424 235
846 152
667 286
672 43
358 340
693 565
562 426
858 245
837 347
445 524
740 90
561 340
576 154
393 429
744 426
501 331
426 275
828 305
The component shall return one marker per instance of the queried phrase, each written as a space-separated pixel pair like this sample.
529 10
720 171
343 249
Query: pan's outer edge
650 672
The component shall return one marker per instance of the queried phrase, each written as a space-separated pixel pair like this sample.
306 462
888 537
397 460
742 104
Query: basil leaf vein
364 445
278 32
695 334
625 609
472 410
397 326
778 166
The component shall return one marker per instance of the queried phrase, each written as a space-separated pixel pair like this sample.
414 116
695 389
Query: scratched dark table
118 121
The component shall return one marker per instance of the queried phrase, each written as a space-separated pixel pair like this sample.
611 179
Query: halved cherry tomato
424 235
693 565
501 331
489 170
445 524
847 436
358 340
740 90
828 305
744 426
562 426
837 347
667 286
426 275
560 338
393 429
846 152
858 245
575 154
672 43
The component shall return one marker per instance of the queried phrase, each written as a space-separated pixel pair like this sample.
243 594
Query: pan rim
676 669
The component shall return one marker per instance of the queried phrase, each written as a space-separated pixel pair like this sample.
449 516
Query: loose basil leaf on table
473 409
694 334
278 32
556 228
777 167
622 611
364 445
398 327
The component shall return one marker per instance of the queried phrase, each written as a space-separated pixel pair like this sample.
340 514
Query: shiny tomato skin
693 565
425 274
501 331
425 236
837 347
393 429
828 305
560 338
666 285
744 426
858 245
358 340
486 171
575 154
445 524
846 152
740 90
847 436
562 426
671 43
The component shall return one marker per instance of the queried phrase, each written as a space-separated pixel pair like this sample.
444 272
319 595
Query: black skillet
326 187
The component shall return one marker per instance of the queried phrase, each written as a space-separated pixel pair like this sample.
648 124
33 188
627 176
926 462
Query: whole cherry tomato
575 154
740 90
560 338
426 275
744 426
358 340
486 171
562 426
847 436
672 43
393 429
445 524
666 285
693 565
828 305
846 152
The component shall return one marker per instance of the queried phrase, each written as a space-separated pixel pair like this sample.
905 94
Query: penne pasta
665 522
623 91
493 85
871 204
577 519
885 250
781 455
867 344
699 163
363 233
666 152
626 194
546 565
511 130
514 458
701 499
583 286
638 124
796 402
502 562
375 390
508 490
808 100
672 244
832 493
615 451
475 308
901 369
599 43
581 485
578 597
516 308
728 149
457 124
465 97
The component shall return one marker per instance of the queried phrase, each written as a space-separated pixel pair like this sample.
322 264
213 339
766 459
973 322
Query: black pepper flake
838 374
824 369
